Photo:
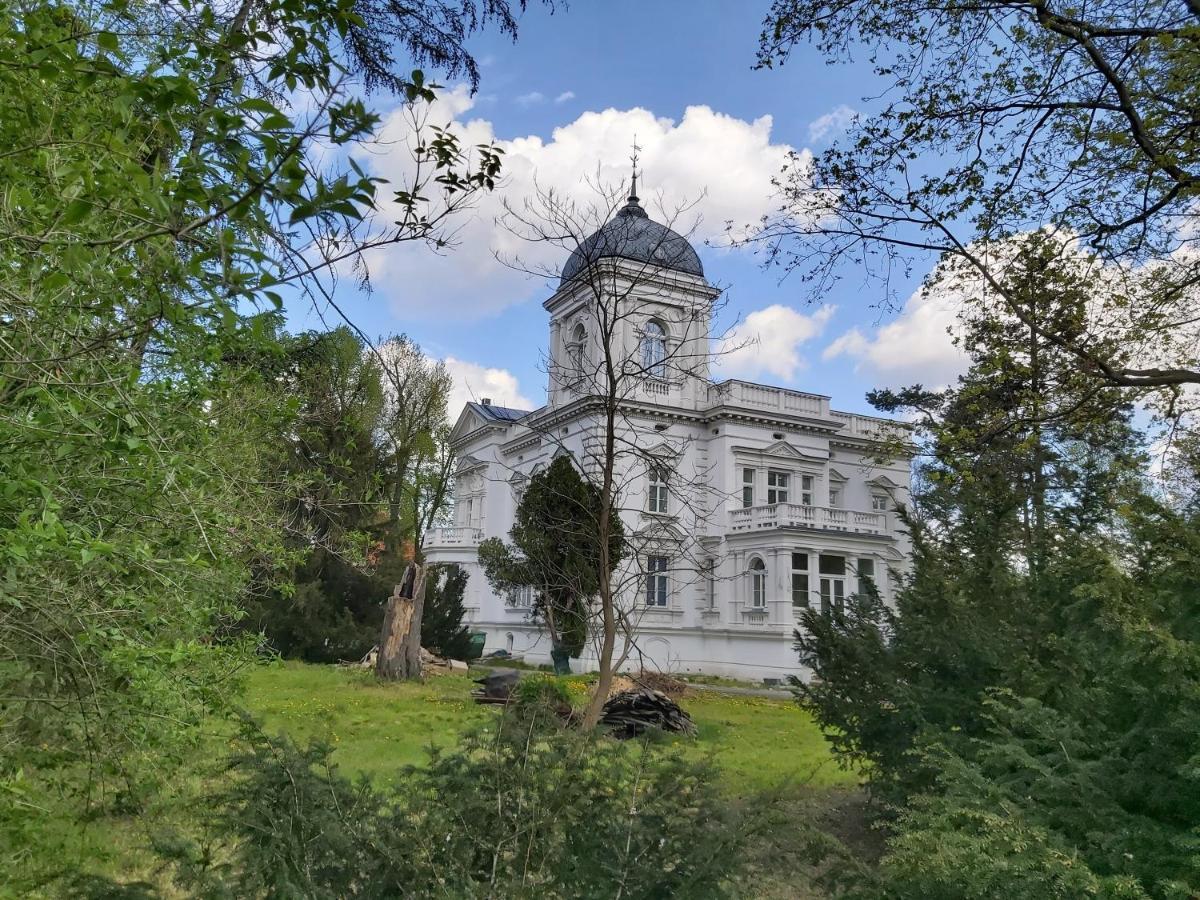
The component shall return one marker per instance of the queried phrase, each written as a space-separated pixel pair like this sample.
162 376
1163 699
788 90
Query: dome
631 234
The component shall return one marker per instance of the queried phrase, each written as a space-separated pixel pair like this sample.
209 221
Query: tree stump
400 643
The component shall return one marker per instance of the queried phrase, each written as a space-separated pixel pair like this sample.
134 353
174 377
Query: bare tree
640 345
1003 118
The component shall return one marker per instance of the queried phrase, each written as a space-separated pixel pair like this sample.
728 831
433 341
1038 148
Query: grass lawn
375 728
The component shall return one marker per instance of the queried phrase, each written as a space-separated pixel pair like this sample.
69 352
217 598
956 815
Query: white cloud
768 341
475 382
831 124
723 164
531 99
916 346
564 97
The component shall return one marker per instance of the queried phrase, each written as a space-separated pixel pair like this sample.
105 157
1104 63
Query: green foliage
555 552
1026 707
442 630
523 808
159 204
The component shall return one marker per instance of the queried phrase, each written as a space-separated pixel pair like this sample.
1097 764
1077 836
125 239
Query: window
758 583
656 581
832 571
521 597
835 496
508 642
879 503
747 488
710 582
575 350
866 575
806 489
657 490
654 349
777 487
800 580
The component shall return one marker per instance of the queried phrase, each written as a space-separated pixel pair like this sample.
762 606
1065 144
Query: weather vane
634 159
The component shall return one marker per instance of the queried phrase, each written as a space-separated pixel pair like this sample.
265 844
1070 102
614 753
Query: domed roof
631 234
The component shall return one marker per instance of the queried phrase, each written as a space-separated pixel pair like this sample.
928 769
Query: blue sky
568 96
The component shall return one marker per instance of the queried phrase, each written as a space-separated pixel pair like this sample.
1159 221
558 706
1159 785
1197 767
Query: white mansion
741 503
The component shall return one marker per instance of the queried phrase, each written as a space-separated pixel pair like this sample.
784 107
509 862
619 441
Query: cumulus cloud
564 97
475 382
831 124
768 342
531 99
721 163
916 346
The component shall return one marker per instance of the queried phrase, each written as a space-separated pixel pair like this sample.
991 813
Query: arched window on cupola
575 351
654 349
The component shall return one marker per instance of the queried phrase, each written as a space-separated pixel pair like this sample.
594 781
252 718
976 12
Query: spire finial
633 197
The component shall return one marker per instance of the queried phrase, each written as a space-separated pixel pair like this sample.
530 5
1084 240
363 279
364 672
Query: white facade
742 502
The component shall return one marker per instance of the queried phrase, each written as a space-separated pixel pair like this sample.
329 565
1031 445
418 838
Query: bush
523 808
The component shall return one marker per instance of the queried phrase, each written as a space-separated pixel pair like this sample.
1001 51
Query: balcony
453 536
798 515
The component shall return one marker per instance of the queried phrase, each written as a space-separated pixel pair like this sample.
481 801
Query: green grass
376 728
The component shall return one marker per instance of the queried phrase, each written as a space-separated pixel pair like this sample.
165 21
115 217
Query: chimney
486 401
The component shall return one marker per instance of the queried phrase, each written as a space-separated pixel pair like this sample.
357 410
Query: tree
623 262
555 552
1016 708
442 630
1005 118
164 201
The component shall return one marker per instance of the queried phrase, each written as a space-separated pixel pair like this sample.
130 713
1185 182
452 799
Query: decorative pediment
835 475
468 422
467 464
662 531
786 451
663 451
882 481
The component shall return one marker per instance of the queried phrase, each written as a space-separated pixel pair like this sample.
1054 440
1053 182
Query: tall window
656 581
879 503
832 572
575 351
806 489
654 350
800 580
835 496
658 490
777 487
866 574
710 582
758 583
747 488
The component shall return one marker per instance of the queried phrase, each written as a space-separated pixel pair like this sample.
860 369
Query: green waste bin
478 639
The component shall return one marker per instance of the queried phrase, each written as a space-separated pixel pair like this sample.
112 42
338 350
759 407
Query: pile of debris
630 713
496 687
431 663
661 682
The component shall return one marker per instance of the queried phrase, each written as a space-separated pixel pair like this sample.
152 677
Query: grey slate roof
631 234
498 413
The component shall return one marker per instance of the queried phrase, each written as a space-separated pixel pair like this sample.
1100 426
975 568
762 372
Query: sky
566 101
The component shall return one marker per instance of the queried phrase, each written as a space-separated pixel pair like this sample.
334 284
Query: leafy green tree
442 630
161 202
555 552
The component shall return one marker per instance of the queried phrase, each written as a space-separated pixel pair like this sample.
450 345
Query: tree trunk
400 643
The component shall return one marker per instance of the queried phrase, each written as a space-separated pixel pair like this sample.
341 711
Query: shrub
523 808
